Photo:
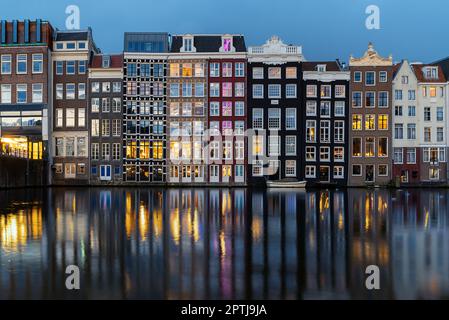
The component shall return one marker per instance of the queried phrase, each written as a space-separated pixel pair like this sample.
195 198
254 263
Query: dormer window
71 45
188 44
321 68
106 61
82 45
431 73
59 46
227 44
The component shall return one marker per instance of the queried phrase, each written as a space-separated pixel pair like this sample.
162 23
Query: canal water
149 243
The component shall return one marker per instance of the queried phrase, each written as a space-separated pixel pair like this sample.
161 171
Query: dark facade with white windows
274 112
324 126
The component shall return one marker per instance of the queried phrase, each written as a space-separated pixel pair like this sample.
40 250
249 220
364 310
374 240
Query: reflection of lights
340 220
324 201
175 225
143 222
129 216
222 244
257 228
13 231
368 201
426 219
157 222
226 203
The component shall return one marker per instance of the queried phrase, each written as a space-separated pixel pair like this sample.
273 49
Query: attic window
321 68
106 61
188 44
431 73
227 44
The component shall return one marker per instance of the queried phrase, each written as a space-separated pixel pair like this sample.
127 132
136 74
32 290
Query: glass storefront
21 147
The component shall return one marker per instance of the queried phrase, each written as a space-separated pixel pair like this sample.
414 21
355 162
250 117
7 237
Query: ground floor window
356 170
258 168
404 176
339 172
226 171
434 174
174 172
310 172
239 170
70 170
383 170
290 168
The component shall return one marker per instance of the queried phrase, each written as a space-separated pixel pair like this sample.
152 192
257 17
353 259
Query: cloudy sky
417 30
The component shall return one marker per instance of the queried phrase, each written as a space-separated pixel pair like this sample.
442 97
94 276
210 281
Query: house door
324 174
105 173
369 175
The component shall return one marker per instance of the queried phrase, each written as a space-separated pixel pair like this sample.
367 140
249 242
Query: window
274 146
325 91
382 147
116 151
70 91
370 122
81 67
356 122
310 131
239 127
227 109
239 108
356 99
325 109
340 91
214 90
274 118
398 94
274 91
258 168
427 114
95 151
22 64
59 118
411 155
398 156
214 109
357 76
239 89
187 90
311 108
290 168
339 154
370 99
383 76
70 67
239 69
117 87
383 170
59 68
412 95
258 73
257 118
398 131
95 105
310 172
339 131
105 127
339 172
411 111
356 147
239 150
411 131
369 147
339 108
324 154
5 93
383 99
70 147
116 127
440 134
370 78
116 105
21 93
382 122
290 145
70 117
81 91
325 131
226 69
310 154
37 89
95 127
214 69
291 73
6 64
105 151
427 134
81 117
398 111
290 91
431 72
311 91
290 119
356 170
258 91
258 145
38 63
440 114
274 73
174 90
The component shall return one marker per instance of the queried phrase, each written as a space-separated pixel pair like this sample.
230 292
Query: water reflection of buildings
224 243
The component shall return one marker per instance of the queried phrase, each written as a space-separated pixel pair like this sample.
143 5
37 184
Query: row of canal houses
205 109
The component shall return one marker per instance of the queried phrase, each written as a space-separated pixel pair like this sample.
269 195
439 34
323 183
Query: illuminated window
433 92
187 70
258 145
356 147
369 147
291 73
356 122
382 147
382 121
370 122
325 91
274 73
158 150
131 150
199 70
310 131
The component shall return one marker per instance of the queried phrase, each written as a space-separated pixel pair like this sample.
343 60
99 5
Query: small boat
286 184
